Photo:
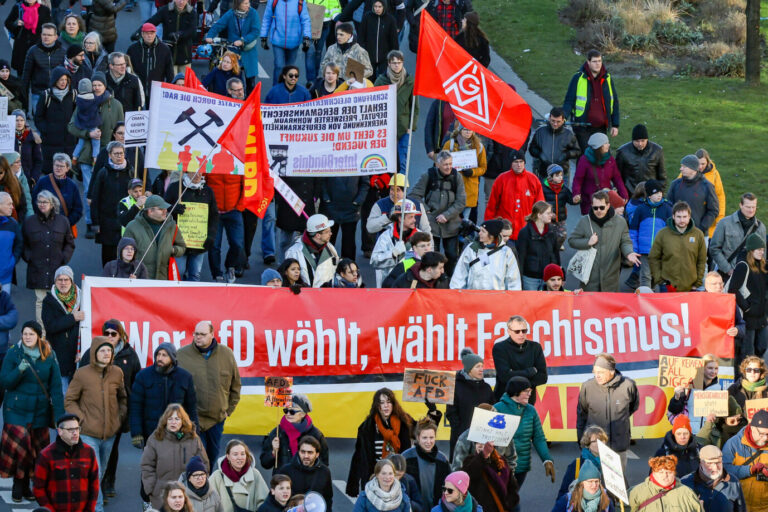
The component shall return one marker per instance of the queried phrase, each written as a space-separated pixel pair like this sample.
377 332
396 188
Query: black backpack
433 182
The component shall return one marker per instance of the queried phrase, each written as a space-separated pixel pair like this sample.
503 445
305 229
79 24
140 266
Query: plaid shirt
446 17
67 478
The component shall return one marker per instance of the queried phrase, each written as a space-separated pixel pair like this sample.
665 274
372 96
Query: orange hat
668 462
681 421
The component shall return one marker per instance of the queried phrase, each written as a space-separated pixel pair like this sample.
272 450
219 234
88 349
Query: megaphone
313 502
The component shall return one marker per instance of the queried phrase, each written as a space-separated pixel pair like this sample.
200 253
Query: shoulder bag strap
743 241
651 500
752 458
235 506
37 378
58 193
489 255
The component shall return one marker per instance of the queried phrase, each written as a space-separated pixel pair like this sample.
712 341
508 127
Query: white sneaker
231 275
145 506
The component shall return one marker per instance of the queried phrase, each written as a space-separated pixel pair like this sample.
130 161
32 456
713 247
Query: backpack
72 92
433 182
274 5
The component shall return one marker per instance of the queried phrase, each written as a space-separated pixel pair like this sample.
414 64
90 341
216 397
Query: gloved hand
487 449
305 44
135 36
138 442
23 365
430 406
399 249
208 244
179 209
296 289
532 371
757 467
174 36
467 172
549 469
264 43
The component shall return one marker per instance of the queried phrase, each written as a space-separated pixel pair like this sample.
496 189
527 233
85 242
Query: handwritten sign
293 200
613 473
679 371
492 427
752 406
4 106
434 385
464 159
7 133
136 128
710 402
316 18
193 224
278 391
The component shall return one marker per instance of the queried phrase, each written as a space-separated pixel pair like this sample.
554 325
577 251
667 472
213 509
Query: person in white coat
390 247
314 252
487 264
237 481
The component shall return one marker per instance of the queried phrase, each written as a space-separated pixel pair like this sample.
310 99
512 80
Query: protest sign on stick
278 391
492 427
613 474
680 371
433 385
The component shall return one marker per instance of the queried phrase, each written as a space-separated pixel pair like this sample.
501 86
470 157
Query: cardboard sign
752 406
613 474
464 159
316 18
136 128
4 106
710 402
278 391
434 385
492 427
193 224
7 133
679 371
355 68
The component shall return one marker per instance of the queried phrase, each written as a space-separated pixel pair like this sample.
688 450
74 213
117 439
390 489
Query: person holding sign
680 442
383 492
751 385
469 392
662 491
682 401
499 493
589 453
463 140
717 431
588 494
745 456
516 401
714 487
426 463
395 240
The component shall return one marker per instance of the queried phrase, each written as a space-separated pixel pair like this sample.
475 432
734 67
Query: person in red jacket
513 194
229 193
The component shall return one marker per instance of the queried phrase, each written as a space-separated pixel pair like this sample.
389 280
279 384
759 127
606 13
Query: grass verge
725 116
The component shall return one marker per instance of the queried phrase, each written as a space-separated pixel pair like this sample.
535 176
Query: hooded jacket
499 272
210 501
637 166
523 360
316 477
51 118
284 25
680 258
315 272
412 279
613 245
245 29
97 396
646 222
604 77
151 62
687 455
736 452
62 330
529 433
383 259
512 198
39 64
446 197
119 268
609 406
700 196
158 253
378 34
550 146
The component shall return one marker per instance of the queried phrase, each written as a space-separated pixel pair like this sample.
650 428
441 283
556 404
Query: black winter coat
24 39
119 268
178 27
151 62
307 189
559 201
151 393
500 157
51 119
130 155
482 52
48 244
553 147
536 251
270 505
755 307
127 92
62 331
39 64
700 194
378 35
103 17
109 187
202 195
467 395
284 455
314 478
343 197
31 156
513 360
636 166
687 456
96 62
737 391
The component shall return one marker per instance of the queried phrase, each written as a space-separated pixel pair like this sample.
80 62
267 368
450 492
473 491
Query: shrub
661 10
730 64
640 42
714 50
581 12
604 35
732 28
676 33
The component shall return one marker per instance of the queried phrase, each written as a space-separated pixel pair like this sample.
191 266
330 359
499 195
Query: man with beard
716 489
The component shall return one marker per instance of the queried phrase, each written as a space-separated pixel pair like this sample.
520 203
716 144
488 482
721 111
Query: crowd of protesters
68 89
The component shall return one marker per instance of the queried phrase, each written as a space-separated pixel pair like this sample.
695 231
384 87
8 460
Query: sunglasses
599 208
291 411
111 333
753 370
447 490
518 331
292 75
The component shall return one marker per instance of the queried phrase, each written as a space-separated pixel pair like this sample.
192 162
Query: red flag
481 101
259 186
191 80
234 135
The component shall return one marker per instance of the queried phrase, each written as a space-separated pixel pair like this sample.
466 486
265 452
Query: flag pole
407 165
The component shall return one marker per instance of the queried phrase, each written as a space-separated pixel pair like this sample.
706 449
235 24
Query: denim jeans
283 57
6 287
402 152
193 266
65 384
315 53
268 231
33 99
211 439
87 172
232 222
102 447
531 283
147 9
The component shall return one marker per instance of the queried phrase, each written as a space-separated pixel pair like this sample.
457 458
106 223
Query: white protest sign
7 133
136 128
4 105
613 474
464 159
294 201
493 427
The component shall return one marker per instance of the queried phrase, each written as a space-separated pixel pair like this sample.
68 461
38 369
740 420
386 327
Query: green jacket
680 258
25 403
613 243
679 499
111 112
217 382
161 250
528 431
404 98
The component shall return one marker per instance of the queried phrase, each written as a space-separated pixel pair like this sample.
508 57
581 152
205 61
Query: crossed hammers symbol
199 129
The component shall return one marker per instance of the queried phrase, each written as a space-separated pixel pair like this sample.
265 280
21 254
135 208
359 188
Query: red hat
553 270
148 27
681 421
616 200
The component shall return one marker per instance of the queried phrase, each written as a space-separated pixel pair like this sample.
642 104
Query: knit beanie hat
639 132
598 140
616 200
493 227
734 409
760 419
34 326
588 471
517 385
460 480
11 157
99 76
552 270
653 186
19 112
194 465
691 162
681 421
84 86
169 349
64 270
469 359
754 241
74 51
302 402
268 275
553 169
517 155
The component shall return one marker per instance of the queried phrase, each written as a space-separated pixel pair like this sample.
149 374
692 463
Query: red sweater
512 197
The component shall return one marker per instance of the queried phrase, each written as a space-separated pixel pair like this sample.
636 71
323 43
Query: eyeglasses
753 370
43 202
292 75
72 430
112 333
518 331
290 411
117 153
599 208
197 475
447 490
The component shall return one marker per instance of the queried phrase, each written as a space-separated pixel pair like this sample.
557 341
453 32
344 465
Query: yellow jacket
471 183
714 178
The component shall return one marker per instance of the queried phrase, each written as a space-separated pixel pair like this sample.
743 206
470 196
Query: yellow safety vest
581 95
128 202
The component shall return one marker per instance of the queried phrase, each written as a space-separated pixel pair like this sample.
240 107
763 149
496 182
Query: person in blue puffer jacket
647 220
10 241
286 24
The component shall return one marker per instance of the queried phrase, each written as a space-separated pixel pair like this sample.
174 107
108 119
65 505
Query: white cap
317 223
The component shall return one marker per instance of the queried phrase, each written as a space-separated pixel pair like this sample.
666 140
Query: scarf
201 492
390 434
117 167
601 222
496 470
384 500
345 46
396 78
462 142
589 501
407 234
118 79
32 353
752 386
194 186
707 480
69 300
294 431
22 134
666 488
466 506
71 66
241 14
555 187
587 455
430 456
60 93
208 350
655 205
311 245
30 15
592 157
340 282
71 41
230 472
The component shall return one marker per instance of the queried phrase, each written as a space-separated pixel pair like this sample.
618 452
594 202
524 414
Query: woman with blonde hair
168 451
239 484
31 379
708 169
229 67
681 402
383 492
464 139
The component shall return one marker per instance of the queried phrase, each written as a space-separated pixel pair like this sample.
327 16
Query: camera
760 477
468 229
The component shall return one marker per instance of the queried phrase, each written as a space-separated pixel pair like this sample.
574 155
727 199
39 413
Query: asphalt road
537 492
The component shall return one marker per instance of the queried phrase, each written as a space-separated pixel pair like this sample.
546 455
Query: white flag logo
468 88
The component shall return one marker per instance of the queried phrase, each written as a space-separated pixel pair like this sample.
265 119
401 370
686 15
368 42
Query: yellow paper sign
278 391
193 224
710 402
